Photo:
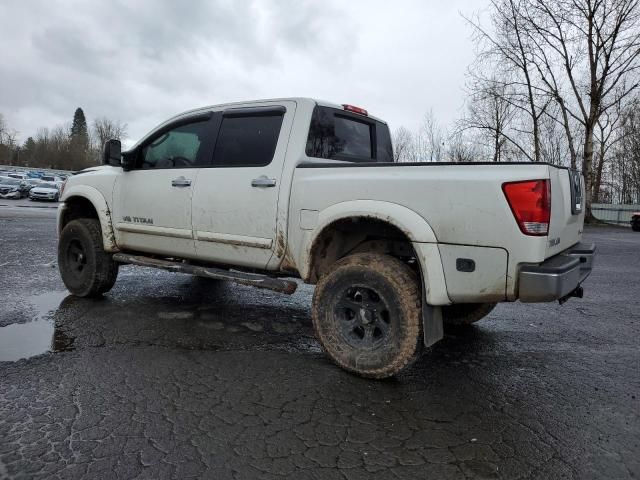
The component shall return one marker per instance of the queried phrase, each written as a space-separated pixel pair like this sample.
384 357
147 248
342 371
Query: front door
152 202
235 202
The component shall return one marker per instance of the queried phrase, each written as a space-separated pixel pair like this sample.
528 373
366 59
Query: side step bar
250 279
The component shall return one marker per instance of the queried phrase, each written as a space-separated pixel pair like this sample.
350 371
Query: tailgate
567 210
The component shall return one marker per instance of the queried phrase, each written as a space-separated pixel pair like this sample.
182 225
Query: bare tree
583 55
402 144
491 114
105 129
461 149
554 148
506 54
3 127
587 55
8 142
424 145
624 171
608 133
432 136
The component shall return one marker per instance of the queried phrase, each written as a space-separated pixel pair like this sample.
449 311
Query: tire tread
406 286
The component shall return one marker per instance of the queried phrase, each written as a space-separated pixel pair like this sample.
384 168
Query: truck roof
311 102
308 100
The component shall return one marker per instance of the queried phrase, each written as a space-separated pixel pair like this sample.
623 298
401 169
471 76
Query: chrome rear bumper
557 277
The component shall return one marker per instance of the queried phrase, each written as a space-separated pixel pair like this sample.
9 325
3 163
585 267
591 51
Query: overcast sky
141 62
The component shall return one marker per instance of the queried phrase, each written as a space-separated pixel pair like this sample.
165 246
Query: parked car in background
18 175
12 188
45 191
25 187
33 181
635 221
52 178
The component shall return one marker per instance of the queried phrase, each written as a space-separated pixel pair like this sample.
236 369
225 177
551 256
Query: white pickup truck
263 192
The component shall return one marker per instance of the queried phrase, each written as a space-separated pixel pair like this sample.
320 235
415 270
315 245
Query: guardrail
616 214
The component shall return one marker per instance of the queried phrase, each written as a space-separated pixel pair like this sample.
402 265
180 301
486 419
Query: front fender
101 207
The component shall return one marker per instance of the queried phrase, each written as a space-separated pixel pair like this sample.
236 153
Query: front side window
181 147
247 141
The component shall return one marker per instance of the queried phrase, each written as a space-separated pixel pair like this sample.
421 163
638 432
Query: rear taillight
62 187
530 202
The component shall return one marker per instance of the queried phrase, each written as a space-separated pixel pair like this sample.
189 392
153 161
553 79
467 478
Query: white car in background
18 176
52 179
33 182
45 191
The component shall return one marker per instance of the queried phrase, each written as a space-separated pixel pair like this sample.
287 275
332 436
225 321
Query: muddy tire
86 269
463 314
366 314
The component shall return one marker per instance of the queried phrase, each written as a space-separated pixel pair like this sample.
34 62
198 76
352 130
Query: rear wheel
366 314
635 226
86 269
463 314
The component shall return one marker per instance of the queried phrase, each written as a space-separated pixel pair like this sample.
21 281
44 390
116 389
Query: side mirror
112 153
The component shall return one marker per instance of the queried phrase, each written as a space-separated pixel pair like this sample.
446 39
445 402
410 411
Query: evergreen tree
79 140
79 131
29 152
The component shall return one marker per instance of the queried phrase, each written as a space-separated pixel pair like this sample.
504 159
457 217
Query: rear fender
416 228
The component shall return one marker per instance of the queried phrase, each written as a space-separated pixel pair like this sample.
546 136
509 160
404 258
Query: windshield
48 185
9 181
341 135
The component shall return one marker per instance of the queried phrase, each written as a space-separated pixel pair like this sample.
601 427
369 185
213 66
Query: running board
250 279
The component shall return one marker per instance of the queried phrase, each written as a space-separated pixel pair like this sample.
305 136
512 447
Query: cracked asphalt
174 377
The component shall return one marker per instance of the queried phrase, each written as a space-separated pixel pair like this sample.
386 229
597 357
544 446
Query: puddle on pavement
24 340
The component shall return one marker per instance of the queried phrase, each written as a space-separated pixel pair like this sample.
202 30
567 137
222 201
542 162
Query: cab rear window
340 135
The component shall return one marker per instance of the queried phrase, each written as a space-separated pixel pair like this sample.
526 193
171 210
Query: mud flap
431 322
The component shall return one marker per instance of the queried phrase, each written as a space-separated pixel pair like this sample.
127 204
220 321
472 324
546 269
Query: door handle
180 182
263 182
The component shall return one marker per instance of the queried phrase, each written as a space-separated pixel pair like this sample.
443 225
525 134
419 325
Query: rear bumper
558 276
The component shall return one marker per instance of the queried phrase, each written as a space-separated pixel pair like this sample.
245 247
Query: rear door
152 202
235 201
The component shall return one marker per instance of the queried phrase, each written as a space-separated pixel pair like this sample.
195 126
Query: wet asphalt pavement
174 377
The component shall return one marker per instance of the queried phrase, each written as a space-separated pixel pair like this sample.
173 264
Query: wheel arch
83 201
350 223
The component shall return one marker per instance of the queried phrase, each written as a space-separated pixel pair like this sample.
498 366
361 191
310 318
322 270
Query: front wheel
366 314
86 269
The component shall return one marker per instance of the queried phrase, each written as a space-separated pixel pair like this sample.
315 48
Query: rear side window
247 140
335 134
